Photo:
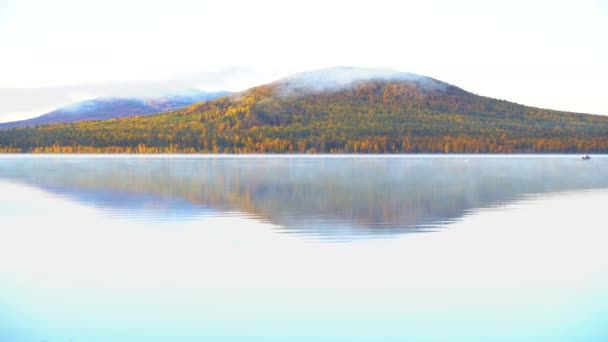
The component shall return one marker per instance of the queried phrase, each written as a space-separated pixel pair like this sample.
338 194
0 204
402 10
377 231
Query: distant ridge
116 107
333 110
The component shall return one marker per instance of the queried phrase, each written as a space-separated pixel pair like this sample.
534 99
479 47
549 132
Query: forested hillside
115 107
404 114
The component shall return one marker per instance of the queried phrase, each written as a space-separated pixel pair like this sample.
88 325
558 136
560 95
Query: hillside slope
116 107
332 110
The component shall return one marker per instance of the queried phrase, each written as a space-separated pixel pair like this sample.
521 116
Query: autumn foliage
370 117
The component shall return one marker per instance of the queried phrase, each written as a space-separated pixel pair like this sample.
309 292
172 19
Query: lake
101 248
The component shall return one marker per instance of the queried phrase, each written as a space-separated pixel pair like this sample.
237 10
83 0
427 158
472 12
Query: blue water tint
199 248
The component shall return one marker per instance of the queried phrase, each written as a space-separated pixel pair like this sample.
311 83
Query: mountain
116 107
349 110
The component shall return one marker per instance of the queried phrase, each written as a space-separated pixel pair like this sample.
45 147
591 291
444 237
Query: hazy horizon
544 54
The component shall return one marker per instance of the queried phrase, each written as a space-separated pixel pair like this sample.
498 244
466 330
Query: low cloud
339 78
24 103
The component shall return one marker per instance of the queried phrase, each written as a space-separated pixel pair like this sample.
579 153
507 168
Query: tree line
372 117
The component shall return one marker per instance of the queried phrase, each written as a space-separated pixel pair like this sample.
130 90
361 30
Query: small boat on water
586 157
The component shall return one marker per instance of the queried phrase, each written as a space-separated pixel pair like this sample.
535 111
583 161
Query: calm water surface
293 248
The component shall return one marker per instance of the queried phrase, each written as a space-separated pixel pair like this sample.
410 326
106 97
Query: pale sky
550 54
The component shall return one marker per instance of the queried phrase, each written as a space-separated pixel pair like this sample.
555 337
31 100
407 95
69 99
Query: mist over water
326 197
274 248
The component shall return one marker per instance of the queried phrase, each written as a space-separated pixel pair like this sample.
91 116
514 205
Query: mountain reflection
322 196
